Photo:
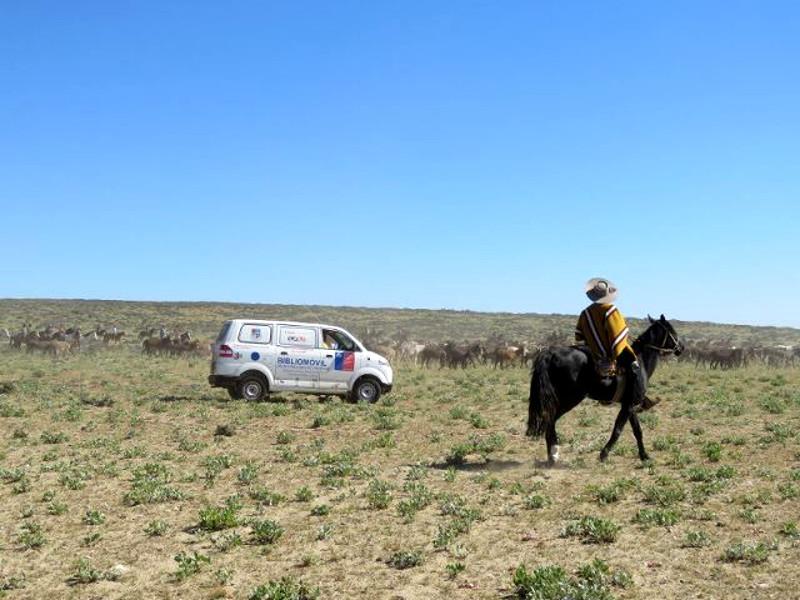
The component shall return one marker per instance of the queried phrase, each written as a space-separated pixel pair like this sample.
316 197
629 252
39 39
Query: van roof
279 322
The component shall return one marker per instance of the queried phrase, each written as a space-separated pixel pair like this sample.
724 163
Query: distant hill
204 319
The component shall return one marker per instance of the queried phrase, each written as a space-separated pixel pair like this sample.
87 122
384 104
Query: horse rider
162 332
602 328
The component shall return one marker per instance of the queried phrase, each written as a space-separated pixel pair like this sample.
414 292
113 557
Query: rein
664 349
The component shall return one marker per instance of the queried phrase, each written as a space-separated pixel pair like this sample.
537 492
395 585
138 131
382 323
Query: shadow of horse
489 465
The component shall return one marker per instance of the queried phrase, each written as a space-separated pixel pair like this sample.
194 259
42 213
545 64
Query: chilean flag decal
345 361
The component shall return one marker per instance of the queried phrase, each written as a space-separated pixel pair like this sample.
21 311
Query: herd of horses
501 354
458 355
719 355
57 341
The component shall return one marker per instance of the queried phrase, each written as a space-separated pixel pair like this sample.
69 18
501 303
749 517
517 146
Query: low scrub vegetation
110 454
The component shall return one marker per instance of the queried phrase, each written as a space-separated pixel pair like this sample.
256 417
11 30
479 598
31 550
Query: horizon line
396 308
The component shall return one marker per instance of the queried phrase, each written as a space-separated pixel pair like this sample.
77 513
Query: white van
252 358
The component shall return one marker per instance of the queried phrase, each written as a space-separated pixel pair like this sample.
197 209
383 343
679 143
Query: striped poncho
602 327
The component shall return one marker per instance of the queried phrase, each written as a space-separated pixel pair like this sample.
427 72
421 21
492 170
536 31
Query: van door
299 360
341 357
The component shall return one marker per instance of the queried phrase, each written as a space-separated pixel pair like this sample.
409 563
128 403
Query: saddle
608 376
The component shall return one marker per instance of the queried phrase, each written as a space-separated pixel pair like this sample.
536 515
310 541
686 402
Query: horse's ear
649 318
663 318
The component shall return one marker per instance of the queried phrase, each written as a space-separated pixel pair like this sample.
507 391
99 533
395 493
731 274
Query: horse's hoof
603 456
644 457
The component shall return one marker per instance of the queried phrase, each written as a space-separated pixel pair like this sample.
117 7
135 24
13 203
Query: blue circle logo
255 356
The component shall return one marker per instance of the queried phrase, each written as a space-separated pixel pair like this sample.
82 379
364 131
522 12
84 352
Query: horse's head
661 336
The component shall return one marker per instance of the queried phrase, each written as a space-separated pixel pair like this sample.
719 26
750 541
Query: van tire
366 389
253 387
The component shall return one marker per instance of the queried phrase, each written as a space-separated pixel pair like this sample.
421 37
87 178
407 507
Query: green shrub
712 451
31 535
266 497
94 517
156 528
750 553
386 419
53 438
247 474
266 532
790 529
535 501
84 573
453 569
189 564
551 582
475 445
287 588
217 518
592 530
150 486
663 517
696 539
303 494
286 437
405 560
665 492
613 492
379 494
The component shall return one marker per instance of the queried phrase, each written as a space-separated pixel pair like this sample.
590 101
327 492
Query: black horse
564 376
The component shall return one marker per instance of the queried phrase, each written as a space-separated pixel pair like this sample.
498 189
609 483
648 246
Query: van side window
254 333
297 337
333 339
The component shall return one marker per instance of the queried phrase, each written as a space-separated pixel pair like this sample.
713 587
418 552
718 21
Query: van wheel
366 390
252 388
234 393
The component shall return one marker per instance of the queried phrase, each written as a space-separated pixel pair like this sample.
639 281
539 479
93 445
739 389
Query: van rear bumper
223 381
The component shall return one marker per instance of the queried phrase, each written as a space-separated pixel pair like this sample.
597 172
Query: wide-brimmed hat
600 290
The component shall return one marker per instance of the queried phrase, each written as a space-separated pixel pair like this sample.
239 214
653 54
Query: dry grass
112 459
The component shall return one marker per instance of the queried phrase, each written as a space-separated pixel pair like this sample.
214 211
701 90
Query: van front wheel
253 388
366 390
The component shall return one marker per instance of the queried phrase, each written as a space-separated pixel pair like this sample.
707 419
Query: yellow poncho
602 327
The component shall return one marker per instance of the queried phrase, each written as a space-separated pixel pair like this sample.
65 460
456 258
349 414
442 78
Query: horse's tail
543 402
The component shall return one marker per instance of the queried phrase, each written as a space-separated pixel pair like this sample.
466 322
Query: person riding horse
602 328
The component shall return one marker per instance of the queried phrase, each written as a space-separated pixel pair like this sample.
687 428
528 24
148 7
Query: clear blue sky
488 156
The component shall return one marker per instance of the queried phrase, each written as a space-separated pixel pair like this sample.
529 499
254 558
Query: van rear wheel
252 388
366 390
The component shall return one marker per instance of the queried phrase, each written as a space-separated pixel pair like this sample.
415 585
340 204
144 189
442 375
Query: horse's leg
623 415
637 432
552 444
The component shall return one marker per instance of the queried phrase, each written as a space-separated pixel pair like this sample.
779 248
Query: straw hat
600 290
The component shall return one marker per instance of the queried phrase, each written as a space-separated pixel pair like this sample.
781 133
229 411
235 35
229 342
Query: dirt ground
111 469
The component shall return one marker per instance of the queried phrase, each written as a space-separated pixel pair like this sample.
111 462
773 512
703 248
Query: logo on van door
345 361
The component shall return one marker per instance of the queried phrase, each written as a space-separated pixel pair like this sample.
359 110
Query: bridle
668 337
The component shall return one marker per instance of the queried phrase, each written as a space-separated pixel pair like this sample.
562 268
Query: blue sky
486 156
